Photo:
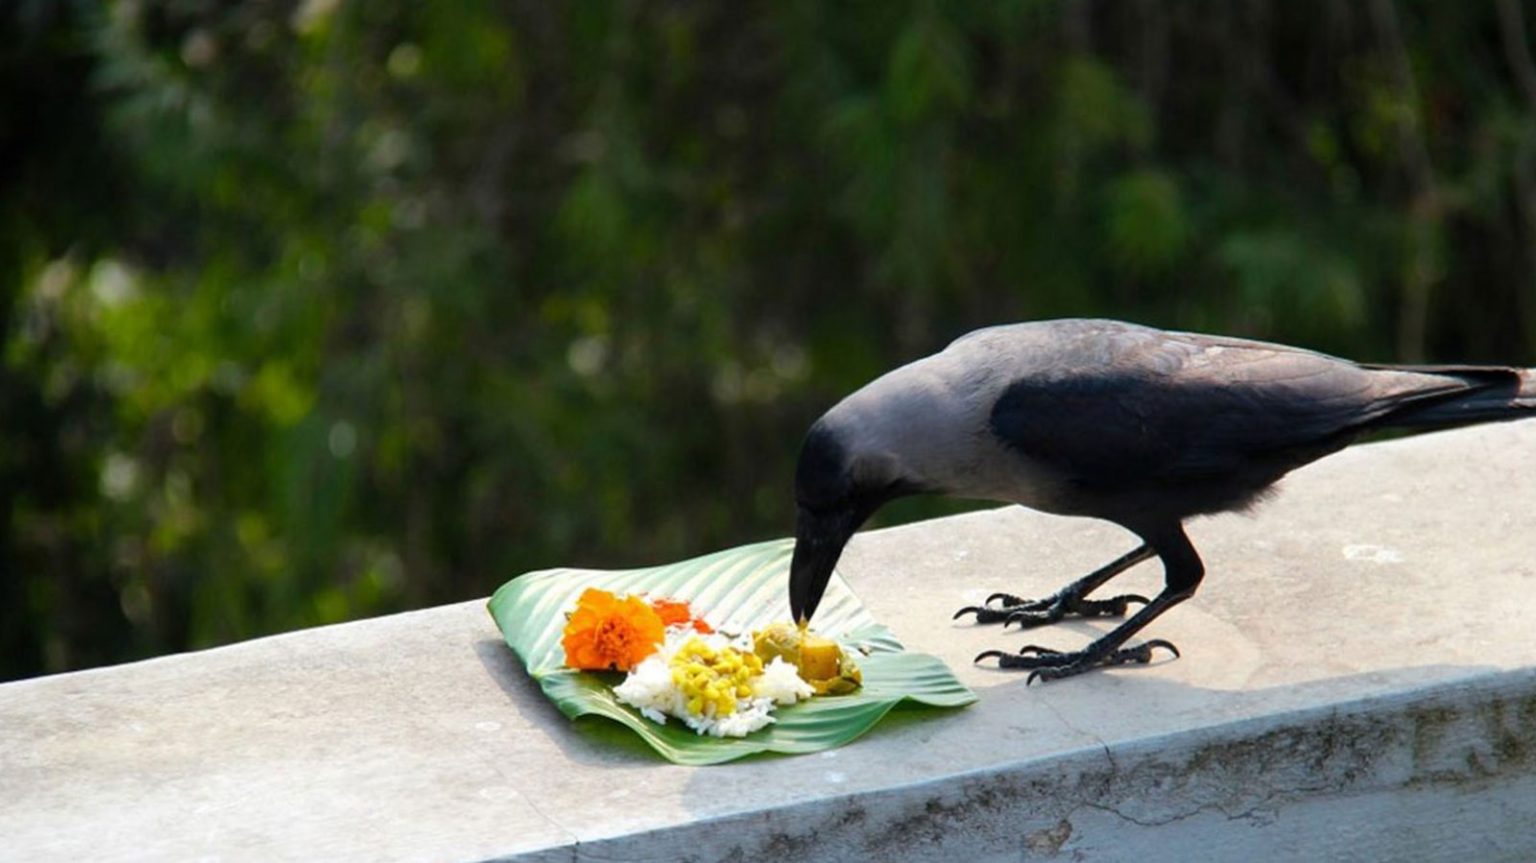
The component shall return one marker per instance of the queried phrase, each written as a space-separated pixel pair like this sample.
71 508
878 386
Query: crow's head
839 483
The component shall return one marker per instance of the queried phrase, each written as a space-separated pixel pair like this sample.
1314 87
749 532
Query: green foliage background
314 310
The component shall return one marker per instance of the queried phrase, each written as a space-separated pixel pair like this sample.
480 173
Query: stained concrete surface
1358 682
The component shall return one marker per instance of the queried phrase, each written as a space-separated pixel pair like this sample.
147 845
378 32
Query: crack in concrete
1248 813
537 810
1268 804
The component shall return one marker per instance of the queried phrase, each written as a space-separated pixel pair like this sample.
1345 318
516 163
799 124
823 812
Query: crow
1141 427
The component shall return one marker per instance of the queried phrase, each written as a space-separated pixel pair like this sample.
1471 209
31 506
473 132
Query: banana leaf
736 590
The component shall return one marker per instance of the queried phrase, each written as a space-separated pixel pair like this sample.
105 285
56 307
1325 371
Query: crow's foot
1046 664
1028 613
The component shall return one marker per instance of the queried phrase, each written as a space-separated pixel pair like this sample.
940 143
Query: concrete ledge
1358 682
1446 772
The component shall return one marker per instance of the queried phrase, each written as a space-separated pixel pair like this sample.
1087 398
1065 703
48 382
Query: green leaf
737 590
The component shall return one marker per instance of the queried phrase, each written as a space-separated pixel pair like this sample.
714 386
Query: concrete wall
1358 682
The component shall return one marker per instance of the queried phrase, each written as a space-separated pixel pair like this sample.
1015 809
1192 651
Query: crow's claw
1011 602
1029 613
1046 664
1113 607
1146 647
1028 619
987 613
983 613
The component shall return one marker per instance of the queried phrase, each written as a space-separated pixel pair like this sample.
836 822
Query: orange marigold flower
673 611
610 632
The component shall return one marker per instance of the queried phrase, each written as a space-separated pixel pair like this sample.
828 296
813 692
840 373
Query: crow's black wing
1134 407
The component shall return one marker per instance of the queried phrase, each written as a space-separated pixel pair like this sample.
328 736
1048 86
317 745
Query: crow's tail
1491 394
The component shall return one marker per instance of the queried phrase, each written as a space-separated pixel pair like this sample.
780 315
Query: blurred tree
321 309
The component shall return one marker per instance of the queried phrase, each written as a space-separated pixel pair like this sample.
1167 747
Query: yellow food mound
821 661
709 676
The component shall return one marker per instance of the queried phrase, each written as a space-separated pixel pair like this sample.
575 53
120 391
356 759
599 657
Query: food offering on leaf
716 685
679 666
676 612
610 633
821 662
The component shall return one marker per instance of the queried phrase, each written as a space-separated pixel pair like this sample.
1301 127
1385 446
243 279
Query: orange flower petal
606 631
672 611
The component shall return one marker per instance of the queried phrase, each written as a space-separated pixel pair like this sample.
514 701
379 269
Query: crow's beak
819 541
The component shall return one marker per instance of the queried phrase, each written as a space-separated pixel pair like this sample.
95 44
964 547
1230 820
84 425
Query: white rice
649 689
781 682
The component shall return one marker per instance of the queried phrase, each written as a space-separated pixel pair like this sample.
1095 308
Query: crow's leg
1182 573
1070 600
